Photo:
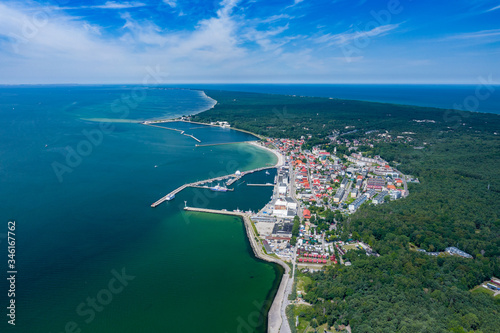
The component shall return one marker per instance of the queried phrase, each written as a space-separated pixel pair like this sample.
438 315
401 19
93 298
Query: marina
202 183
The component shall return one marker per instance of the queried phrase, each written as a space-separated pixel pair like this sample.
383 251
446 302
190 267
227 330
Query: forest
455 155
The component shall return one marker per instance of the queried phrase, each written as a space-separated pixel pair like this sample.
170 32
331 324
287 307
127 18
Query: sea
78 173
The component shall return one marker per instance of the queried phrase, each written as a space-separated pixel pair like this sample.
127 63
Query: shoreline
279 156
274 319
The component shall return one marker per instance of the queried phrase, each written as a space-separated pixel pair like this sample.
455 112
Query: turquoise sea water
78 176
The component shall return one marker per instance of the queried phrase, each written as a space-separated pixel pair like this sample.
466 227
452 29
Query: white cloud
481 37
171 3
295 3
226 47
494 8
267 39
351 35
273 18
107 5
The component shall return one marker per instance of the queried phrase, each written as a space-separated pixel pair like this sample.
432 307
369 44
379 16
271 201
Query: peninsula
365 184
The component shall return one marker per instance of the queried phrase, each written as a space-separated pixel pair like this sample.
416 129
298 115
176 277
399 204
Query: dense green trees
405 292
293 117
452 206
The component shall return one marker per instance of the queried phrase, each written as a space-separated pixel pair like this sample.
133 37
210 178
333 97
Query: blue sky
249 41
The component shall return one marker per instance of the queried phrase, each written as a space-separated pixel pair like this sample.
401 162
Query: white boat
218 188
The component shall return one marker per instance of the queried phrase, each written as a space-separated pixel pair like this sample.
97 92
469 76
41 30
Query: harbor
231 179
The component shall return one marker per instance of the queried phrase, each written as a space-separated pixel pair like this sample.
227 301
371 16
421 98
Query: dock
172 129
232 180
202 182
164 127
266 184
224 143
208 187
192 136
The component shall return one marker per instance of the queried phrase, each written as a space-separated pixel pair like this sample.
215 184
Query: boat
267 172
218 188
170 197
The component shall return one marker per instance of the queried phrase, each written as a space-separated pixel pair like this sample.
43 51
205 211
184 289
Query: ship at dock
218 188
170 197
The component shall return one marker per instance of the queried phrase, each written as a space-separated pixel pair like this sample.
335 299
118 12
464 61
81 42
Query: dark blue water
78 174
477 98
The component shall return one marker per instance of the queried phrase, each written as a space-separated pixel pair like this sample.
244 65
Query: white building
282 189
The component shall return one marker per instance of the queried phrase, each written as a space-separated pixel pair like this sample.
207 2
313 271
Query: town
315 191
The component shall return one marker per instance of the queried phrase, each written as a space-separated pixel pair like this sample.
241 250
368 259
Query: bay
85 219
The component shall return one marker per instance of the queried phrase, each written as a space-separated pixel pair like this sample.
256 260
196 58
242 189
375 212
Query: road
285 326
293 190
347 192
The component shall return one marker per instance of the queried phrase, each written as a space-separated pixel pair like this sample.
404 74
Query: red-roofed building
307 214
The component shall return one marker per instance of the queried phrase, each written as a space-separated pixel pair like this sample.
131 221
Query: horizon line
246 83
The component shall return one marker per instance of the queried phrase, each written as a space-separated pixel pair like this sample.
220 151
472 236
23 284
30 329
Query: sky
249 41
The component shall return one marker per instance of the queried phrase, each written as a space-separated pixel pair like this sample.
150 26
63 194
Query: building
375 183
290 204
370 193
282 189
357 203
339 195
380 198
306 213
282 230
456 251
285 208
279 208
395 195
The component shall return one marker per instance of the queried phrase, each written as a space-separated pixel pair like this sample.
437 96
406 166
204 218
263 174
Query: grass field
487 291
302 282
349 247
482 290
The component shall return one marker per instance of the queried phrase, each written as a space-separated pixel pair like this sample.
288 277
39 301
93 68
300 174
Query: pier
172 129
202 182
208 187
266 184
164 127
224 143
192 137
231 181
